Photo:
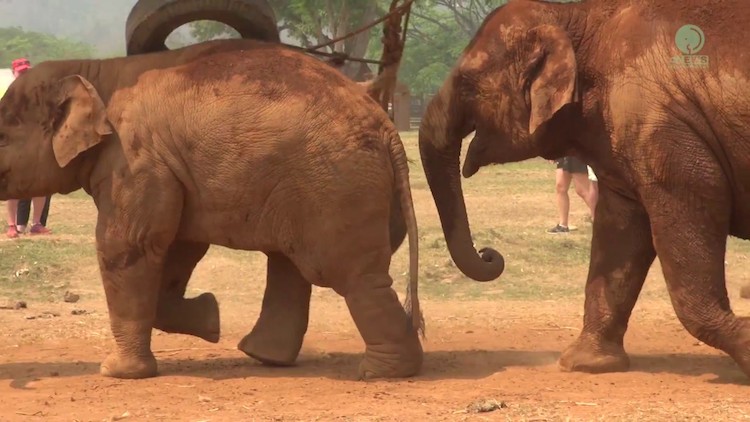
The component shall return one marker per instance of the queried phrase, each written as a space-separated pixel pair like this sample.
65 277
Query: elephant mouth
475 155
469 169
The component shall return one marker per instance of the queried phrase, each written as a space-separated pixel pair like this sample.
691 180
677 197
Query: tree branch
429 19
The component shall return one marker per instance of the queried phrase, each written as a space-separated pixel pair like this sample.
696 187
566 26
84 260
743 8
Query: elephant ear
79 119
550 73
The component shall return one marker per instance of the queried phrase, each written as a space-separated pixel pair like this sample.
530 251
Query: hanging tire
151 21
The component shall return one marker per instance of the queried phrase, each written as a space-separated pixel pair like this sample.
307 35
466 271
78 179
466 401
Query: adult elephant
653 96
277 336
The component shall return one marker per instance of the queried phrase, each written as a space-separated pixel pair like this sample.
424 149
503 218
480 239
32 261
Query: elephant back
151 21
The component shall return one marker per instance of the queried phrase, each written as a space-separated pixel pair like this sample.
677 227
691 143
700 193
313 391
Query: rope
365 28
338 58
381 89
384 87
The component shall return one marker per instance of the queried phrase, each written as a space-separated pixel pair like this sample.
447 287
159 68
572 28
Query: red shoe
38 228
12 232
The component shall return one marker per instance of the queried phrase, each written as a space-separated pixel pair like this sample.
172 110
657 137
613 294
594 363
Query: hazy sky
97 22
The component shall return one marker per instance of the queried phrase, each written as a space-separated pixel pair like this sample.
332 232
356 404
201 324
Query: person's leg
583 188
12 205
580 175
22 214
45 211
562 184
37 227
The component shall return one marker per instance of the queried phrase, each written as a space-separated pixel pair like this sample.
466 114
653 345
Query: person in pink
40 204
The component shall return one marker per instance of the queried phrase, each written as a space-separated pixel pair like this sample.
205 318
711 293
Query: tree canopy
438 30
38 47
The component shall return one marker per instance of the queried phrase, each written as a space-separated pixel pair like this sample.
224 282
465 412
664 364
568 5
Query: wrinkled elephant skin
226 145
653 95
147 27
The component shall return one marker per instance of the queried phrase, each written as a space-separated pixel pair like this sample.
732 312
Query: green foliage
100 23
211 30
438 30
38 47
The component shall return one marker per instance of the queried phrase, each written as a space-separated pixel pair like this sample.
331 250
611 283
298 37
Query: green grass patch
510 208
40 269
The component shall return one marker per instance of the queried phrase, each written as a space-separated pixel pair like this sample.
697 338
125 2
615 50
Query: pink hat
20 65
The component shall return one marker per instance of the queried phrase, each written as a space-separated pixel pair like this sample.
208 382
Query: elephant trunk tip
495 258
491 266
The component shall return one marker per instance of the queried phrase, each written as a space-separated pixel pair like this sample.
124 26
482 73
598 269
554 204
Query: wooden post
402 108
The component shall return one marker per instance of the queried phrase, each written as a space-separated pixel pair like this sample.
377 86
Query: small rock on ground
486 405
14 305
71 297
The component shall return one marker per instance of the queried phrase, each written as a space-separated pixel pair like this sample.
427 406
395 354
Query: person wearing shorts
570 169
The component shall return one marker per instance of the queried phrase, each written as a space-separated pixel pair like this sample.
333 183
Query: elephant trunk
151 21
440 146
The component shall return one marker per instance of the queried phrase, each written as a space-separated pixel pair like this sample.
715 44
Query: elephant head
45 124
513 84
151 21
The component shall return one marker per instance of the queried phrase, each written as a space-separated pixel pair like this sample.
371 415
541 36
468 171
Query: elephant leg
277 336
690 235
621 255
131 275
392 347
198 316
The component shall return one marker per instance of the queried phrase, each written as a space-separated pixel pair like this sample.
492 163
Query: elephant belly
234 230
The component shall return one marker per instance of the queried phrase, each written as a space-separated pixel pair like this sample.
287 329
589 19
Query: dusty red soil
503 351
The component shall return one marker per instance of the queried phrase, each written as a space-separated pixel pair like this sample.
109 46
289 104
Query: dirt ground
475 351
492 344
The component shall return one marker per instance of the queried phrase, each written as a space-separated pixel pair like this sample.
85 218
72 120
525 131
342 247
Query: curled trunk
151 21
440 146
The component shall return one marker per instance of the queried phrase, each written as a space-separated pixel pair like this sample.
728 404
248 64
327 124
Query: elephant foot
594 357
738 348
396 361
742 358
210 329
116 366
198 316
392 345
277 336
270 350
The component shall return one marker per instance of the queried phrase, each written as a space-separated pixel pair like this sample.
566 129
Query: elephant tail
401 176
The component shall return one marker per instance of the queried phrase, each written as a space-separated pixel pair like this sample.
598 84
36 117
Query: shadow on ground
438 365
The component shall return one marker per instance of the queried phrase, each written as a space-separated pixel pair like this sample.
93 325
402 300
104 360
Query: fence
417 107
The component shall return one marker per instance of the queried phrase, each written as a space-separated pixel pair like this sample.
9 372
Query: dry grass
510 207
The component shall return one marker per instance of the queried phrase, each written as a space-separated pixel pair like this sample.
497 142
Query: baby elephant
263 149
